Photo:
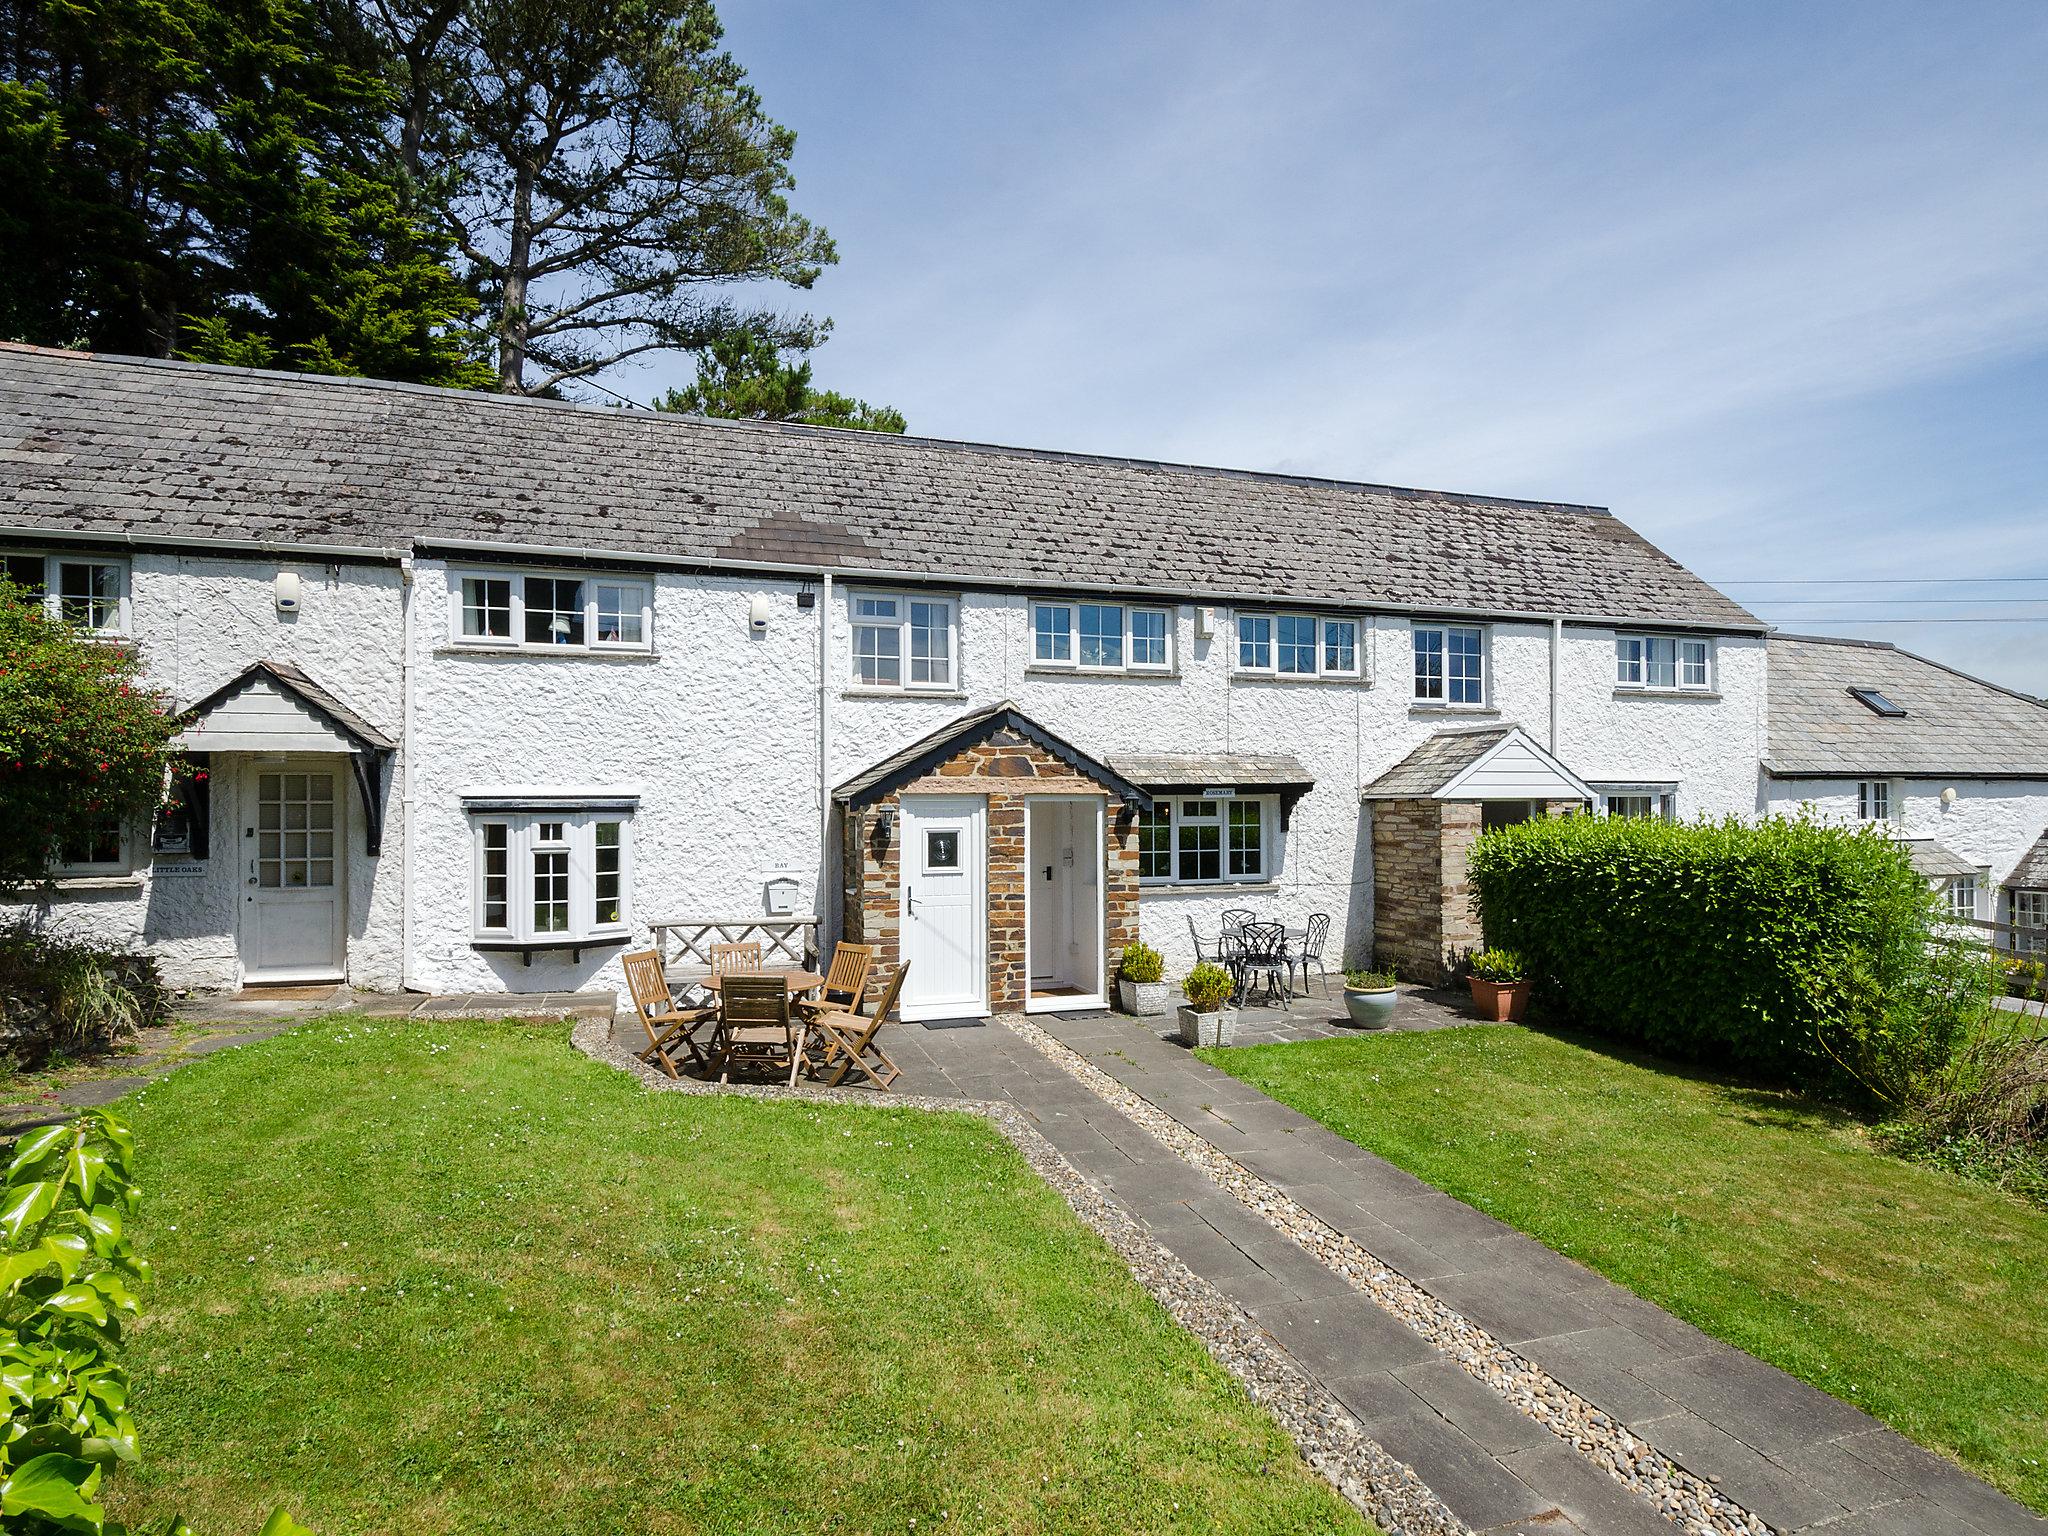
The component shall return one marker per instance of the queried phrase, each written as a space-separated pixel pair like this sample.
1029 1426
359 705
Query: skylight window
1877 703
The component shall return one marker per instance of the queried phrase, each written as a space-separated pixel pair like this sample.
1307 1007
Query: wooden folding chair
845 1042
736 959
846 984
756 1028
668 1024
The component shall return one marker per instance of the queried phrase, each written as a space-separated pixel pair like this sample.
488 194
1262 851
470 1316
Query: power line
1866 601
1914 618
1871 581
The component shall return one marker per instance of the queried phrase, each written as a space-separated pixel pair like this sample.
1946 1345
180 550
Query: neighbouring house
1955 767
485 687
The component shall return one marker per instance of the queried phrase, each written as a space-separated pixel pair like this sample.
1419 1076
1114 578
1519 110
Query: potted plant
1141 979
1500 985
1369 998
1207 1018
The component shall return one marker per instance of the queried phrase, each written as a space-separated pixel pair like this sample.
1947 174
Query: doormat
955 1023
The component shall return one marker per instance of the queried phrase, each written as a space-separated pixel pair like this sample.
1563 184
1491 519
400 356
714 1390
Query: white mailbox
779 895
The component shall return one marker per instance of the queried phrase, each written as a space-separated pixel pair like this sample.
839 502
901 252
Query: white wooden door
945 919
292 905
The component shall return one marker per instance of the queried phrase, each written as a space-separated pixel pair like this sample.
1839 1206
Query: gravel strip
1330 1439
1690 1502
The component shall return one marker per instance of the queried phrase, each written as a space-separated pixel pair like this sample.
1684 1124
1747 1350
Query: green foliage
1369 981
209 177
81 737
71 999
1141 963
1984 1112
744 377
1500 965
1789 949
68 1273
1207 987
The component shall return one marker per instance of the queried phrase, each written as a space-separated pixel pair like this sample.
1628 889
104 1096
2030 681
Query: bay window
1652 803
549 877
902 641
1101 637
1297 645
1663 662
1207 841
535 611
1450 664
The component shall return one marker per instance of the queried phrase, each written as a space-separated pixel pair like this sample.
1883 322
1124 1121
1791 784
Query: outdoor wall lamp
1948 797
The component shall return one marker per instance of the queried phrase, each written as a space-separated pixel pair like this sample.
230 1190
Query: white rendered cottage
1862 732
486 686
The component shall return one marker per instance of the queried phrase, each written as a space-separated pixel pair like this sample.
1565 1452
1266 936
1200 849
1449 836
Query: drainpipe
406 746
827 886
1556 648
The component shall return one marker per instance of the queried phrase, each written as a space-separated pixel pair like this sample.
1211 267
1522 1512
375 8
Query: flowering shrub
81 736
67 1276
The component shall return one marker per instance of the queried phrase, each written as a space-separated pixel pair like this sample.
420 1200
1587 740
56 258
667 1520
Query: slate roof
2031 873
968 730
1955 725
101 445
1933 861
1238 770
1435 762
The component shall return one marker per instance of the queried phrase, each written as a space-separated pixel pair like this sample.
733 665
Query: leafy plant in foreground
1141 963
67 1281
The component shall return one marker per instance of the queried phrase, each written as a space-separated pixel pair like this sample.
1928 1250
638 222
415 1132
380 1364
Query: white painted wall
198 621
1993 822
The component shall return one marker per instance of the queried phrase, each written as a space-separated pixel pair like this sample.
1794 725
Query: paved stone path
1796 1457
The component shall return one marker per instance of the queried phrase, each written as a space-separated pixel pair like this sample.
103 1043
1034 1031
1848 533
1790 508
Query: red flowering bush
81 737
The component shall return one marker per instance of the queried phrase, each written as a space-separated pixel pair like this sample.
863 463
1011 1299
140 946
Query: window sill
1298 679
902 693
131 881
1707 694
1117 674
1464 711
546 652
1207 887
526 948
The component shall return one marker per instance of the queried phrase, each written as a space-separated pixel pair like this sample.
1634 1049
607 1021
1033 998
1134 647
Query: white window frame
123 862
517 577
1663 798
53 562
1443 700
1320 625
522 842
1058 620
1634 659
2028 937
1978 879
1877 801
1270 834
902 625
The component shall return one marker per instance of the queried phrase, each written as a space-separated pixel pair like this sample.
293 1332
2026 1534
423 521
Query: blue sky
1769 280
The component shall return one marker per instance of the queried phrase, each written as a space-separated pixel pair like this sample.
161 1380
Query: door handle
1048 871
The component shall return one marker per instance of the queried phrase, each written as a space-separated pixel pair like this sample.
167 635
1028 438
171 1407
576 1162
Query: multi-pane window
93 845
295 831
1642 804
2027 914
1662 661
1297 645
90 593
1450 664
1100 637
890 630
1962 897
547 612
552 875
1206 841
1874 800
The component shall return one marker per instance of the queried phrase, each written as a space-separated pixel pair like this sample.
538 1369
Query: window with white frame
901 640
2027 914
1450 664
1646 803
552 876
1874 800
1297 645
1207 841
1671 662
94 845
1963 895
1101 637
84 590
531 610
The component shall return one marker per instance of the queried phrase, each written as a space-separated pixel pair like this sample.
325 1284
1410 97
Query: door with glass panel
294 847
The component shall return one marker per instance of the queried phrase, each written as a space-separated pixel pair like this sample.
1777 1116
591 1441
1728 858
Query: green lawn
1756 1216
431 1277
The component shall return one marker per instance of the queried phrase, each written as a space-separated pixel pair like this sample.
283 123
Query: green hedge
1786 949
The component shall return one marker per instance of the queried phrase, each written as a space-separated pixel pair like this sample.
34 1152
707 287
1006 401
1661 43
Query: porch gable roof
294 684
950 740
1495 762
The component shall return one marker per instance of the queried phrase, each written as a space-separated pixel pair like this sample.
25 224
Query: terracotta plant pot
1500 1001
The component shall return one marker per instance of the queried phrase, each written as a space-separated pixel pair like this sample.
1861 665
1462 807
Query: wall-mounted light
1948 797
757 614
885 819
806 597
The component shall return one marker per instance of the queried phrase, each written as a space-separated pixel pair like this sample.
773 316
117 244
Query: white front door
294 848
945 921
